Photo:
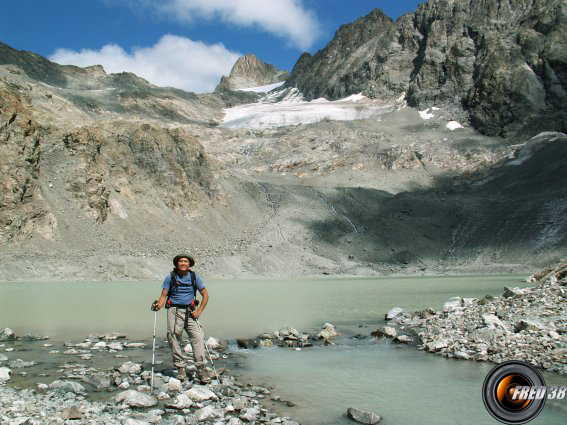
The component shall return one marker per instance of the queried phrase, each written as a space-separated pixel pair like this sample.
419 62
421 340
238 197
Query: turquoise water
401 384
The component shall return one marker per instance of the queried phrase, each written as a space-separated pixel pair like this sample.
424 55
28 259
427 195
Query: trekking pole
153 353
207 348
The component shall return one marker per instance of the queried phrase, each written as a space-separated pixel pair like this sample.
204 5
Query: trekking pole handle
154 305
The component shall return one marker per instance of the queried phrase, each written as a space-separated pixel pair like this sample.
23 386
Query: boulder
19 363
174 384
67 386
512 292
247 343
250 414
436 344
529 325
200 393
208 413
7 335
4 374
240 403
135 398
386 331
72 412
30 337
492 321
214 344
328 332
130 368
362 417
287 331
180 402
404 339
393 313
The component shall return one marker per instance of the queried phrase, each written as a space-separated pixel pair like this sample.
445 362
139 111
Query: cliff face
75 153
249 71
502 63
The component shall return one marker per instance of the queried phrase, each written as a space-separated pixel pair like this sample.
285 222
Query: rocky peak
249 71
501 63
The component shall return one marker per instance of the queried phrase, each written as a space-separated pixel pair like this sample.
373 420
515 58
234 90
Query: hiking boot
203 375
181 374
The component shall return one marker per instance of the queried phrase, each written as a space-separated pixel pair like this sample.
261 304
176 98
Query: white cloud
173 61
285 18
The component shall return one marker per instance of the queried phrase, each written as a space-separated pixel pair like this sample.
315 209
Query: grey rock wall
500 63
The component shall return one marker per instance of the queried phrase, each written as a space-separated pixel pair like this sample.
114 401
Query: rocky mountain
249 71
502 64
106 176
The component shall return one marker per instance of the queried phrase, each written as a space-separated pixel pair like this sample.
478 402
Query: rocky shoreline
85 393
528 324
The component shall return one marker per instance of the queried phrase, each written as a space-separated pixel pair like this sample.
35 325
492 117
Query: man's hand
195 314
155 306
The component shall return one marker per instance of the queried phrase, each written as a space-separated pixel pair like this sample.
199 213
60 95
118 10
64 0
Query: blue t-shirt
183 294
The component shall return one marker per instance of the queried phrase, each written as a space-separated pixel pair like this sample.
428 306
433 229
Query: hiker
178 294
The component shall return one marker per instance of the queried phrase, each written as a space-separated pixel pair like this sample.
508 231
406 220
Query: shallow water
402 384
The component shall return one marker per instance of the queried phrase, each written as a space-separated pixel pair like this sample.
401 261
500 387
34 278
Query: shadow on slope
514 212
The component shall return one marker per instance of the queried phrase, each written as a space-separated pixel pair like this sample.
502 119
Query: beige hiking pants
179 319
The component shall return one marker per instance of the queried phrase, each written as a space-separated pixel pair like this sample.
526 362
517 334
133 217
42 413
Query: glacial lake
398 382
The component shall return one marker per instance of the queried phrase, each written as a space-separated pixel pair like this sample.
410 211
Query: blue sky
182 43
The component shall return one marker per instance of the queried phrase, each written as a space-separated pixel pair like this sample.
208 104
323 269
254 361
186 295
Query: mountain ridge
500 64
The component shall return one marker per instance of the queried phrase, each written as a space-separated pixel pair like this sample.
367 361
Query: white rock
453 125
328 332
5 373
124 385
288 331
214 344
136 399
130 368
3 358
250 414
100 346
493 321
180 402
7 335
207 413
174 384
437 344
163 396
404 339
200 393
115 346
68 386
188 348
393 313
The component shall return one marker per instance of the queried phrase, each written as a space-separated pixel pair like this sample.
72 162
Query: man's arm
162 299
195 314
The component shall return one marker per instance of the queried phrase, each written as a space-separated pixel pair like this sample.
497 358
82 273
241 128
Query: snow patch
289 107
263 89
426 114
453 125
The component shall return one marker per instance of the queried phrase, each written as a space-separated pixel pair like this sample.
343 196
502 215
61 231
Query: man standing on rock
178 294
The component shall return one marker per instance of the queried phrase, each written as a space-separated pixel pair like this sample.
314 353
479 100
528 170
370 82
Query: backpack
174 283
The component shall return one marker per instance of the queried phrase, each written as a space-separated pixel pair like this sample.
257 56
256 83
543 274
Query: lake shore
101 380
527 324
